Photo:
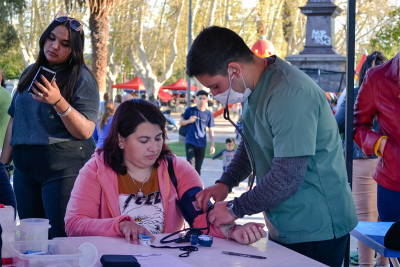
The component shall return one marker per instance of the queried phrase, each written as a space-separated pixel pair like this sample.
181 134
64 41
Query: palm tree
98 25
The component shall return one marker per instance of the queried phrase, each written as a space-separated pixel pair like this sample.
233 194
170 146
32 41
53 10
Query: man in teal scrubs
301 176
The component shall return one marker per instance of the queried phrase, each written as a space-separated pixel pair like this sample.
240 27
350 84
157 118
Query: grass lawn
179 149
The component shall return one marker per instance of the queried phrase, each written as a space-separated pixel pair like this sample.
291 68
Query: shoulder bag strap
171 172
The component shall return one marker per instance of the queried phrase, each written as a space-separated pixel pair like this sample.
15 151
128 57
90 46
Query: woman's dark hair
69 76
125 122
213 49
379 59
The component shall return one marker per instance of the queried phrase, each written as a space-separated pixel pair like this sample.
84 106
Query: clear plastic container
9 230
61 253
34 229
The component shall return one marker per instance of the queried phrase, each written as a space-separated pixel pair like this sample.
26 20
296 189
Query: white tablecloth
277 255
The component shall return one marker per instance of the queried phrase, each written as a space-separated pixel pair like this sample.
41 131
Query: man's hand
382 146
192 119
220 215
248 233
211 161
129 229
212 150
218 192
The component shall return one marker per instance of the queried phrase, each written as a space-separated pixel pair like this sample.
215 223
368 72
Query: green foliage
11 63
8 35
388 38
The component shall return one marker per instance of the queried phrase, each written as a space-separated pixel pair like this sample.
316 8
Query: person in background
7 196
364 187
130 189
379 98
104 124
240 126
154 101
227 154
5 101
144 96
49 135
106 97
199 119
117 101
127 97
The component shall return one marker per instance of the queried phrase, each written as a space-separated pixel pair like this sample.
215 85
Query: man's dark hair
229 140
213 49
201 92
106 97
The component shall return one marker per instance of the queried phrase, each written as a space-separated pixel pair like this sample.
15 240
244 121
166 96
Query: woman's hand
248 233
129 229
50 94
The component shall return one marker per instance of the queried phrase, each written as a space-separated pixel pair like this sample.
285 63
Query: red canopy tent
180 84
136 83
164 95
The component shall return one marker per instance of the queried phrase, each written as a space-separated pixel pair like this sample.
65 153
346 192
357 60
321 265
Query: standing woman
364 186
49 134
379 97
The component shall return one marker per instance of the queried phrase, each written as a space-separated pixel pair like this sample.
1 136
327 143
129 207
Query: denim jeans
195 156
44 177
388 204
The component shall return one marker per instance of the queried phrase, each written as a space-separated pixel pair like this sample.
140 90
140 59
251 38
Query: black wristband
57 102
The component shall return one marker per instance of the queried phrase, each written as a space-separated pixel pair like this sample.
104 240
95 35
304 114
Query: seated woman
125 188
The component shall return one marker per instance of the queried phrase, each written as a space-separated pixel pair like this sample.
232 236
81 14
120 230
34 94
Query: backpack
183 129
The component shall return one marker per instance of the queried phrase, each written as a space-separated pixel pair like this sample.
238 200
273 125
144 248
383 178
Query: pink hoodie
93 208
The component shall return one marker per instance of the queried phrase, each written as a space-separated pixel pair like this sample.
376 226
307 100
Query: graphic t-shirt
146 210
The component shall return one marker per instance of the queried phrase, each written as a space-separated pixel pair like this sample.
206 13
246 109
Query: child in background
227 153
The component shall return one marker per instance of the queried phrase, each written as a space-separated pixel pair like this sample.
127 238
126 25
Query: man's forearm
282 182
238 170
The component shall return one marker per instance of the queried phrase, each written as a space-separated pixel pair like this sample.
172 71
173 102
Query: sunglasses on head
74 23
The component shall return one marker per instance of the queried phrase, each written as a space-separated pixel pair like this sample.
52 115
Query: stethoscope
252 176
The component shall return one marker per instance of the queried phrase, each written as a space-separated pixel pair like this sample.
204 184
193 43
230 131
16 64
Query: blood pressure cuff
187 205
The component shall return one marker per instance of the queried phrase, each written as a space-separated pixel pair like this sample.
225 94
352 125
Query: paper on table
159 259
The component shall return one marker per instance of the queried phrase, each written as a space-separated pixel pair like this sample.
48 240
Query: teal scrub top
287 115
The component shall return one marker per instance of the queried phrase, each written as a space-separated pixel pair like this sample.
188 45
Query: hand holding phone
44 88
46 73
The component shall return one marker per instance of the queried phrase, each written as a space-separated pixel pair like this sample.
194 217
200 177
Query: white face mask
230 96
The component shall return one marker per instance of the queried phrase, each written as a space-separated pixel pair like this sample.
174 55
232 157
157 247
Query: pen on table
243 255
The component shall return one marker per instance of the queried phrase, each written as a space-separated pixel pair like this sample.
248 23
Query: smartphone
119 261
48 74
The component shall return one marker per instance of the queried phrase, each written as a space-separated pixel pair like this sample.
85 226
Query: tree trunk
98 24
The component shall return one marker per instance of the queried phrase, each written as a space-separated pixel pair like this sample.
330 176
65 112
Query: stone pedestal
319 51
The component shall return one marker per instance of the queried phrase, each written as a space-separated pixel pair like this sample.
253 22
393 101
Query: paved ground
210 173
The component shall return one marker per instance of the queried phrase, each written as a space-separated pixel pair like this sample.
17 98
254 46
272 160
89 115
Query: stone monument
319 51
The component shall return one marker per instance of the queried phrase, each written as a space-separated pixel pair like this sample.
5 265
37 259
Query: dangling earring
121 146
70 61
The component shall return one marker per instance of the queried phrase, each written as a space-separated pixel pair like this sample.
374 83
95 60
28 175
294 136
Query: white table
277 255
